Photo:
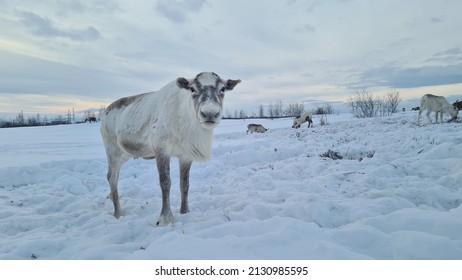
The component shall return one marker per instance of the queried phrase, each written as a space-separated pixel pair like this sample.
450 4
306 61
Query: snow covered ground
395 193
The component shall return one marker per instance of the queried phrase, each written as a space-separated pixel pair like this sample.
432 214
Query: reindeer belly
137 148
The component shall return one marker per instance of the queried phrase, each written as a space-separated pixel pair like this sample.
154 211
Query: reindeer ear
182 83
230 84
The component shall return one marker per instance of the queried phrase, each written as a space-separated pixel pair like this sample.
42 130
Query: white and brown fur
437 104
176 121
305 117
252 127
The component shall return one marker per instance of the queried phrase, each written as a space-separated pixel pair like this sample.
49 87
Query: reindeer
176 121
252 127
305 117
437 104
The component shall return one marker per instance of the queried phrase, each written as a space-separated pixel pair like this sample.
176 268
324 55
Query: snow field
394 194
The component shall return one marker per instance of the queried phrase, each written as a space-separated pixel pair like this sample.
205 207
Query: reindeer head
207 92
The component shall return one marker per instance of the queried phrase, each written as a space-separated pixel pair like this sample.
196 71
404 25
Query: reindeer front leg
428 116
185 167
163 167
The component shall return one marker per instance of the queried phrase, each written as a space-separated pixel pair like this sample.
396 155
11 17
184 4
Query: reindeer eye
192 89
222 92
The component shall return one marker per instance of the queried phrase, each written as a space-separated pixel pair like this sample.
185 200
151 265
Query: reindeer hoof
184 210
165 220
118 214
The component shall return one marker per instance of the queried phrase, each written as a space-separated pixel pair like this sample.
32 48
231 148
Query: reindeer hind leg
115 161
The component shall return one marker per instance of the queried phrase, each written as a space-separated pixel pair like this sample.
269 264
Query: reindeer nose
210 113
210 117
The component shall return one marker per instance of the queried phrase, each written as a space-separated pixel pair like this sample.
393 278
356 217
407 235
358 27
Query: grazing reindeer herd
178 121
298 121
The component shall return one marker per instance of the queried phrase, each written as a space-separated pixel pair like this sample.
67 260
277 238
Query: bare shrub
261 112
278 108
295 109
323 110
271 110
392 99
319 111
242 114
331 154
364 105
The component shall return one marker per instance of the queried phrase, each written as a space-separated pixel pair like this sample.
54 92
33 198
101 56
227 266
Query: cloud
436 20
44 27
290 49
178 10
396 77
452 55
305 29
68 8
43 104
24 74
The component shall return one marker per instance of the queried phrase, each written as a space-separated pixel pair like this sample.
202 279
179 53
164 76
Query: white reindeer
252 127
176 121
305 117
437 104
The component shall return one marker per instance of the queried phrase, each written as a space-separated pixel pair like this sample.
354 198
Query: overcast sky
60 54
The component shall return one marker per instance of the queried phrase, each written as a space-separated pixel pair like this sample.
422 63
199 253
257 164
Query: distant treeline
278 110
274 110
22 120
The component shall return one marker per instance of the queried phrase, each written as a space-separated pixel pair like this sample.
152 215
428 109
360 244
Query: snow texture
380 188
